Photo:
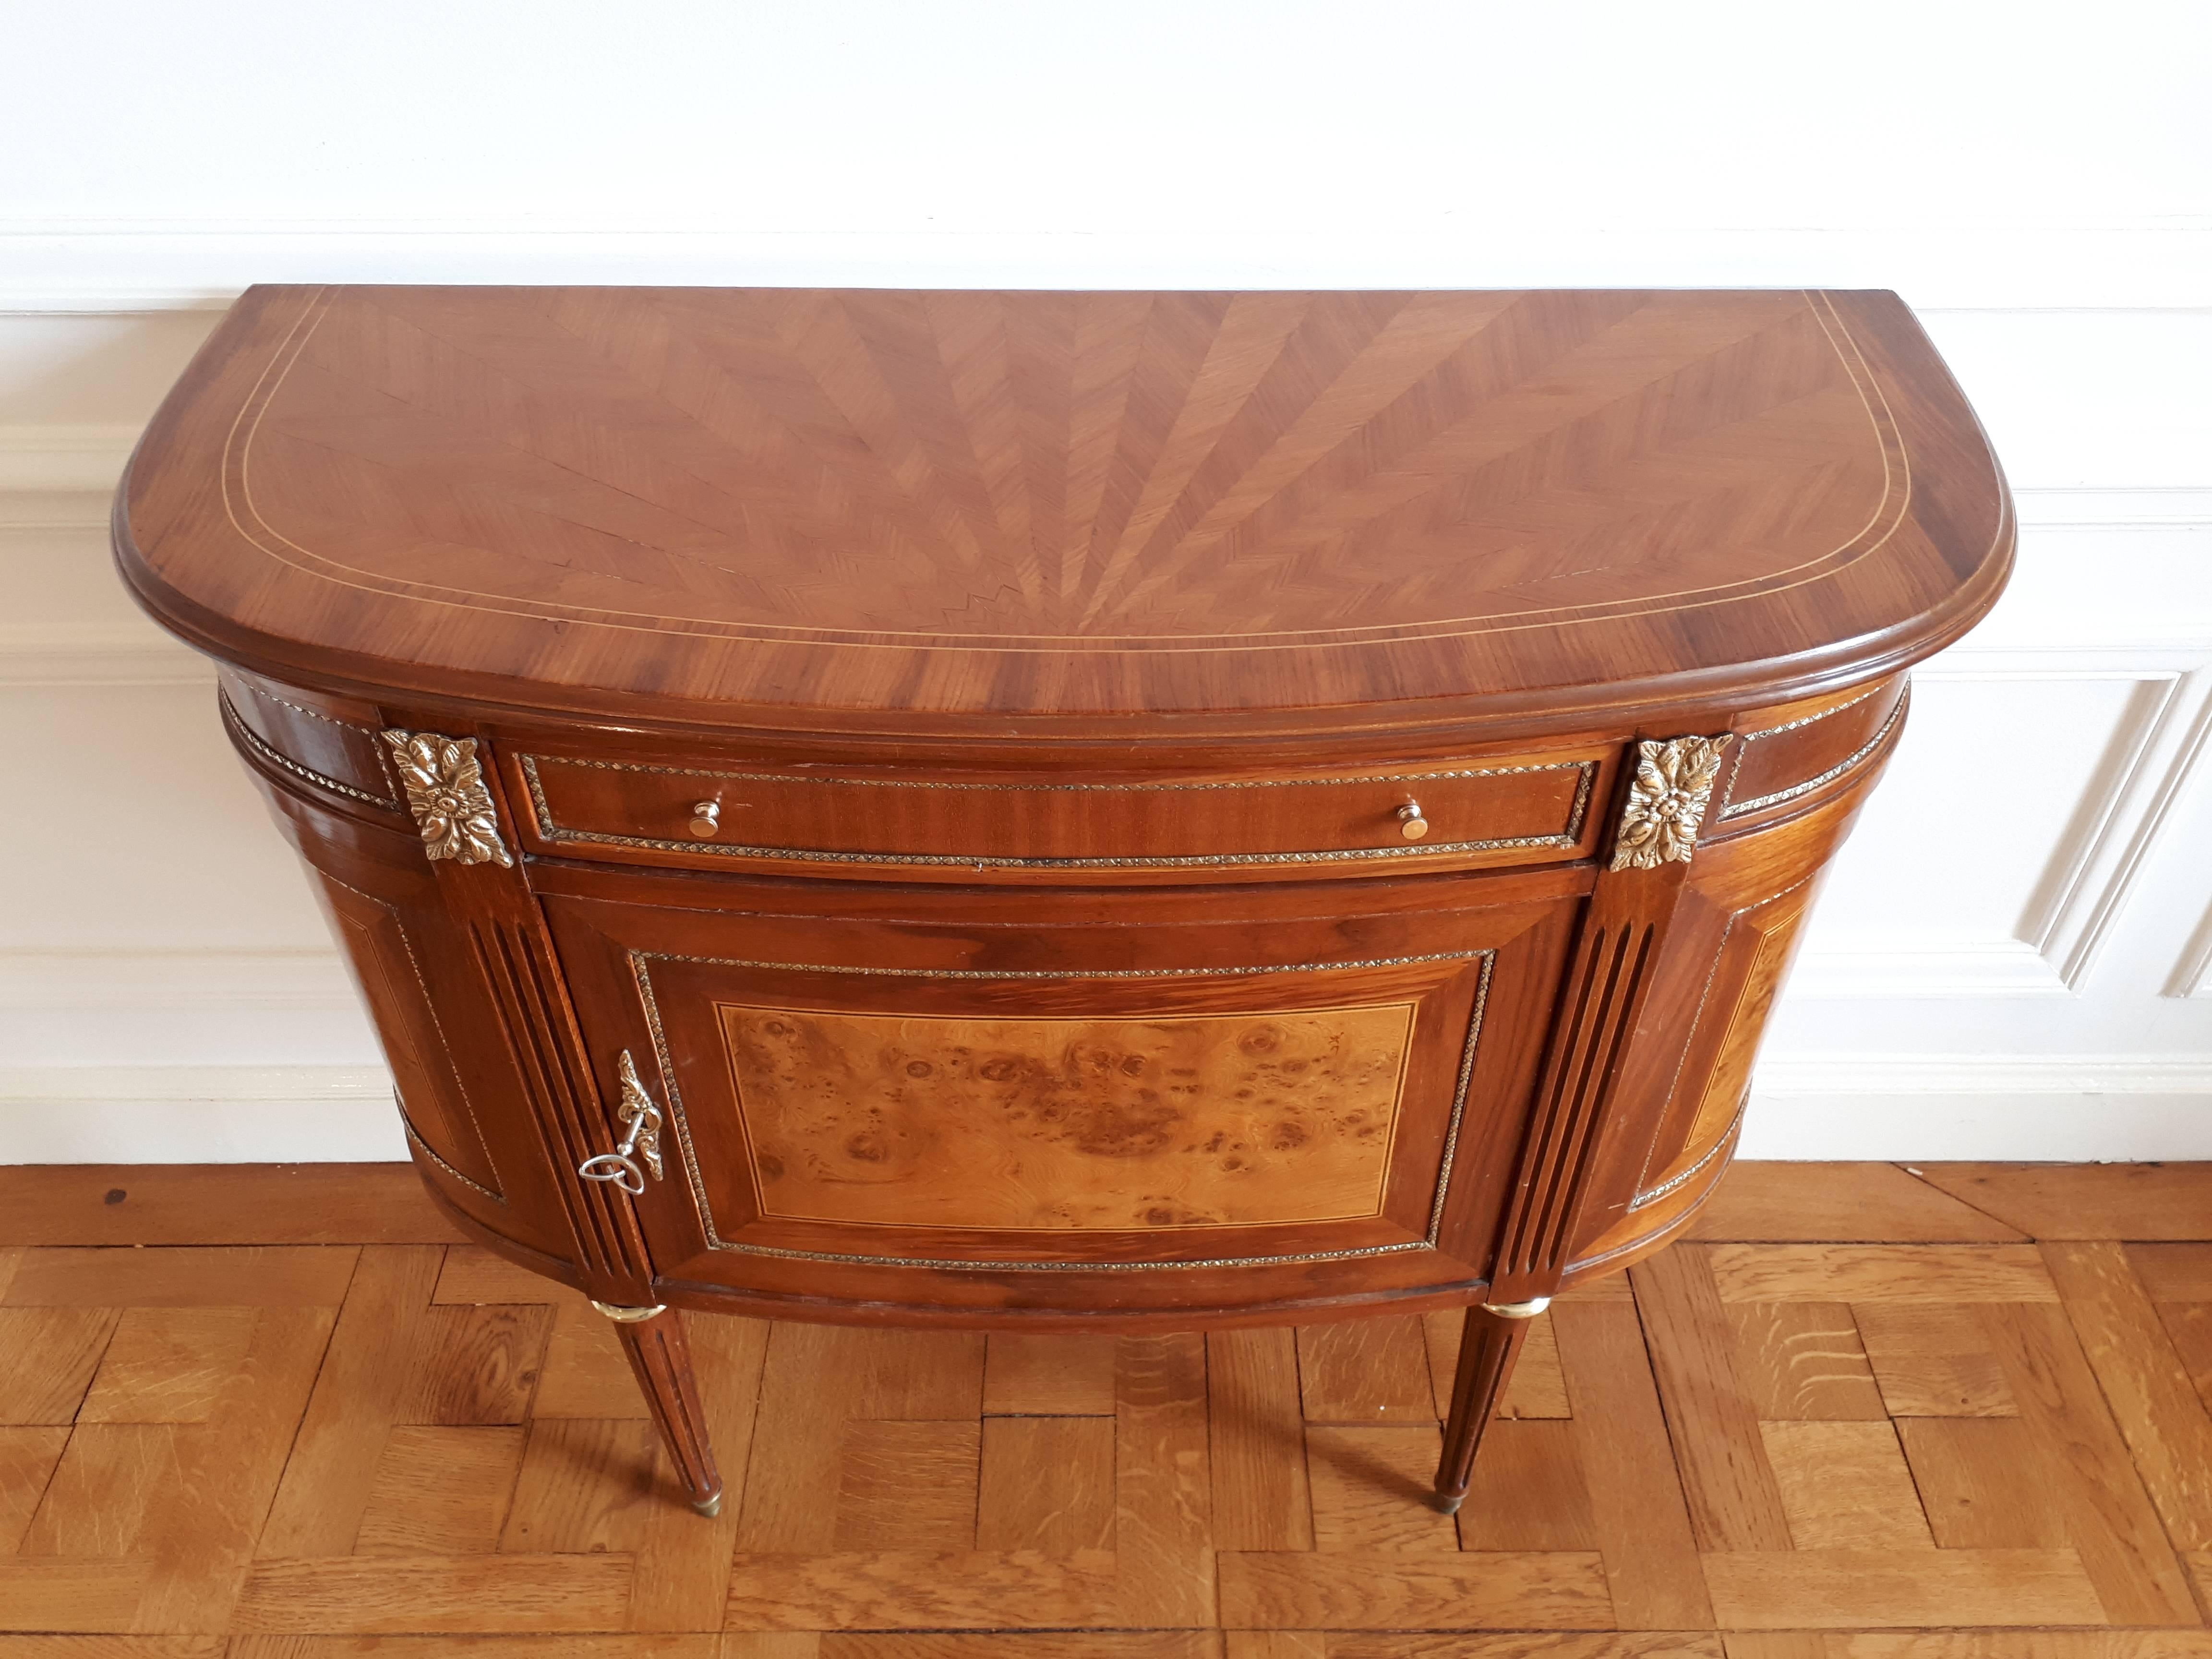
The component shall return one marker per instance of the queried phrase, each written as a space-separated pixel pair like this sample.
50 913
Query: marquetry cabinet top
908 512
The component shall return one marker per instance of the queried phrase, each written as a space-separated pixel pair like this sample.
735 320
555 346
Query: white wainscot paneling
1997 963
167 990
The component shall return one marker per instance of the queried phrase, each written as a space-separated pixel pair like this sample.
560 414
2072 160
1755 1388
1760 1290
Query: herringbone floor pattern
1865 1414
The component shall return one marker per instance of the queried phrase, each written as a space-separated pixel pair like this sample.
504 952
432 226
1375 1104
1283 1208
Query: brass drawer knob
1411 825
706 819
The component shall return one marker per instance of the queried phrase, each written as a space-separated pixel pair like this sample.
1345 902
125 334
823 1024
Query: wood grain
28 1457
1262 1498
1421 1588
1982 1483
1210 1506
1366 1371
358 1396
2110 1519
907 1486
370 1593
1048 1375
1338 497
1934 1360
1046 1483
217 1204
48 1356
2124 1201
1638 1507
1851 1588
1368 1489
1938 1274
1735 1504
1080 1124
1816 1203
272 1278
439 1491
1803 1360
2144 1381
1845 1486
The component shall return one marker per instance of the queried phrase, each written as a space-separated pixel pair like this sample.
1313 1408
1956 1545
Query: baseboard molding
1814 1074
111 266
2085 1129
197 1114
197 1014
1935 1107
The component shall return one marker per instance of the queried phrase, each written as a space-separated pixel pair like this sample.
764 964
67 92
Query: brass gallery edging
639 959
1736 808
556 832
235 724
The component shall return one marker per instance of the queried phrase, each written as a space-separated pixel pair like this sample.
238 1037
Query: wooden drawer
1533 808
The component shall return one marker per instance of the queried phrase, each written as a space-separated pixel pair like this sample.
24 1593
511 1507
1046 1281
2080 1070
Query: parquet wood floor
1863 1414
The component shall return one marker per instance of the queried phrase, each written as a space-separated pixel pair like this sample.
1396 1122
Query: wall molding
120 266
1809 1106
98 654
1916 969
2044 1118
1855 1073
97 979
198 1114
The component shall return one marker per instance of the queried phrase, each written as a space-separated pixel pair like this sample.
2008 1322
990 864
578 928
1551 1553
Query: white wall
2037 179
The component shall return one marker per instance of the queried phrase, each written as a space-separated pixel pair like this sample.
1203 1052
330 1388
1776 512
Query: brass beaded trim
234 723
1710 1153
1737 808
430 1151
639 959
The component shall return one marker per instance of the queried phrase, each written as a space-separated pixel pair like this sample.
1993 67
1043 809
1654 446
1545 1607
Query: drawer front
1798 756
1352 821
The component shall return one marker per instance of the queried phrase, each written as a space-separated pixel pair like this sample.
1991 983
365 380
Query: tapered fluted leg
1488 1344
661 1359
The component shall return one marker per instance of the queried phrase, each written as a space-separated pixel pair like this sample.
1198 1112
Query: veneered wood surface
1477 955
906 511
2147 1201
290 1481
1279 1116
1507 809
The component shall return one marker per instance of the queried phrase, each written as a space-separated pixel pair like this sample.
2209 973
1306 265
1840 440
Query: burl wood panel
1273 1117
890 509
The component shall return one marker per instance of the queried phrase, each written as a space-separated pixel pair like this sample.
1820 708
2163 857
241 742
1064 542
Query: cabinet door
964 1102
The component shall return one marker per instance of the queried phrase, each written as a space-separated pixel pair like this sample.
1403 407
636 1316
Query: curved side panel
471 1130
433 1102
1734 931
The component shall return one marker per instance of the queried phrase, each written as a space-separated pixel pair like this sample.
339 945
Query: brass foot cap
709 1507
1447 1506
